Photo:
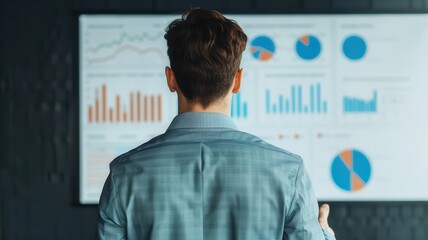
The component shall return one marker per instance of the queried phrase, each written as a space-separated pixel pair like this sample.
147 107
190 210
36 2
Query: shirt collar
201 120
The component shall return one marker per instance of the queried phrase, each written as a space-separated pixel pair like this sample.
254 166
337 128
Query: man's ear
170 79
237 80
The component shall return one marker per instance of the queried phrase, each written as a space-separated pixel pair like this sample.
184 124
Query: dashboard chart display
345 92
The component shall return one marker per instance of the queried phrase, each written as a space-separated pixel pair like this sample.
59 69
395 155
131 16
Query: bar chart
239 107
140 108
359 105
296 102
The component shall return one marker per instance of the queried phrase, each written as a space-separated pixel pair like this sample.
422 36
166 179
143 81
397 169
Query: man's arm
110 222
301 222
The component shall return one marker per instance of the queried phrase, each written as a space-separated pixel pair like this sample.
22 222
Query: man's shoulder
186 140
260 144
128 156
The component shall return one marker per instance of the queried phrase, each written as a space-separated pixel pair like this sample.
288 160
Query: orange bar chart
104 102
141 108
90 113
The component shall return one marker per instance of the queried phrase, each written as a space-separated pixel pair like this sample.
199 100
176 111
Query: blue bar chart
359 105
239 107
297 101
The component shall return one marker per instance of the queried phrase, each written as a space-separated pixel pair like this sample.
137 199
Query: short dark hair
205 50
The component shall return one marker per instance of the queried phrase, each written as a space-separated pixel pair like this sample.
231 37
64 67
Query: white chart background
127 54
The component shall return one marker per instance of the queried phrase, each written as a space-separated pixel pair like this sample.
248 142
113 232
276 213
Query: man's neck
222 107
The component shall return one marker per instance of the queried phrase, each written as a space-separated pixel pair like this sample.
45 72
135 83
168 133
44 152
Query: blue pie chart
351 170
354 47
308 47
262 48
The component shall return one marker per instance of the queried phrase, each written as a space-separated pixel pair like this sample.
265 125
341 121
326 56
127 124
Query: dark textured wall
38 114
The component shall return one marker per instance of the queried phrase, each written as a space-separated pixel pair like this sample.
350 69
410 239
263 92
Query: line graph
125 37
124 48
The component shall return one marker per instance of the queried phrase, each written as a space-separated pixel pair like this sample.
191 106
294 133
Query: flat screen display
348 93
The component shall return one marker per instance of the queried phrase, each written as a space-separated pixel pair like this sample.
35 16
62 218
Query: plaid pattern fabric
204 179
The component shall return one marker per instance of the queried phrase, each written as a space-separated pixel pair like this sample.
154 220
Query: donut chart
262 48
351 170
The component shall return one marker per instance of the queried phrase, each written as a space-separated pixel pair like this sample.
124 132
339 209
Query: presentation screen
348 93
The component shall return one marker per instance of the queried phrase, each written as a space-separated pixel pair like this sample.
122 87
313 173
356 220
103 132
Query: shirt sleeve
301 222
110 222
327 235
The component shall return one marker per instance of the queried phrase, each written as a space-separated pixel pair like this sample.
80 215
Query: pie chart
351 170
354 47
262 48
308 47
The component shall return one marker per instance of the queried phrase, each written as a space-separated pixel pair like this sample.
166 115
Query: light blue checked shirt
205 180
